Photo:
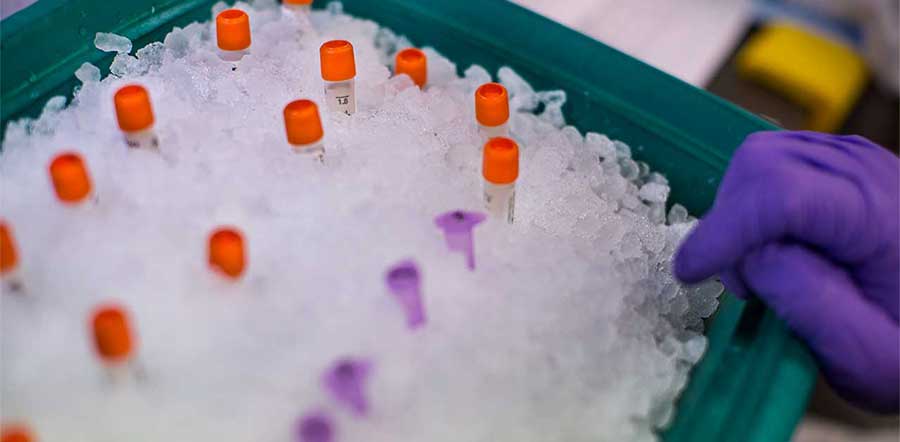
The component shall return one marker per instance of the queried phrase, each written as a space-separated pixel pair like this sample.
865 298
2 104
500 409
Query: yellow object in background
823 76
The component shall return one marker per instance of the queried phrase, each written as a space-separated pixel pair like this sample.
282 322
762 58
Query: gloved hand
809 223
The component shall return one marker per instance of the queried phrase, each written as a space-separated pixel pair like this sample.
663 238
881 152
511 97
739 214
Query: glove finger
804 204
856 343
733 281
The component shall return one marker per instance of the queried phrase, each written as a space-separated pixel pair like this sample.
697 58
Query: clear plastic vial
298 7
135 116
303 127
338 67
492 111
233 36
9 260
500 169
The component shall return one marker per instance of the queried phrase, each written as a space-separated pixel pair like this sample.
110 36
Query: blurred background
826 65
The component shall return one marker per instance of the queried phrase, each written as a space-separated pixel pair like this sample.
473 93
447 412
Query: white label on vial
142 139
500 200
341 96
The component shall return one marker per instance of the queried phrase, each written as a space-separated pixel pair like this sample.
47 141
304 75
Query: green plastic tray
755 379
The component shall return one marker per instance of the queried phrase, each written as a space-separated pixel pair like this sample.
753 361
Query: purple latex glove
809 223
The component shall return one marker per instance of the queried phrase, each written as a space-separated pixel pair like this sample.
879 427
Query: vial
135 116
414 63
226 252
70 178
304 128
9 259
338 71
492 110
500 169
16 432
113 340
297 6
233 36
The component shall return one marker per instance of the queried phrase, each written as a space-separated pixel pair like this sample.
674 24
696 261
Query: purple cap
346 380
405 283
457 226
315 427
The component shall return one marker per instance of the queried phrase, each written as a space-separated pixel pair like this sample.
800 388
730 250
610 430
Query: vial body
500 200
296 9
233 58
11 282
341 96
142 139
488 132
315 150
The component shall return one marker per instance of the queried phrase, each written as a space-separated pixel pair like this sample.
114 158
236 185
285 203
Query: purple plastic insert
457 226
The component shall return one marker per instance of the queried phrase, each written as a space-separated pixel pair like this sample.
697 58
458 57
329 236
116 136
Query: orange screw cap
414 63
8 257
233 30
491 104
226 251
112 334
302 122
133 108
16 433
297 2
70 177
501 161
337 60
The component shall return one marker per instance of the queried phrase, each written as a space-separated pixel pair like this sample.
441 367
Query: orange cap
302 123
16 433
133 108
501 160
226 251
70 177
412 62
112 335
337 61
8 256
297 2
491 104
233 30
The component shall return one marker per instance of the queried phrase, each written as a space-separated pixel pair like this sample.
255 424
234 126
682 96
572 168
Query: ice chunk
622 149
677 214
521 96
476 76
629 169
88 73
654 192
108 42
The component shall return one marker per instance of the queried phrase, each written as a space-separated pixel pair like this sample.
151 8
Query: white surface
689 39
570 329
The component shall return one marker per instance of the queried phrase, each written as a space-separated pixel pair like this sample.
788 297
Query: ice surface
571 327
108 42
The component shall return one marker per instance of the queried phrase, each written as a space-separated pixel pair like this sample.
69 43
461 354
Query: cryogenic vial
339 70
16 432
233 35
297 6
9 259
500 170
413 63
492 110
70 178
226 252
135 116
113 340
304 128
